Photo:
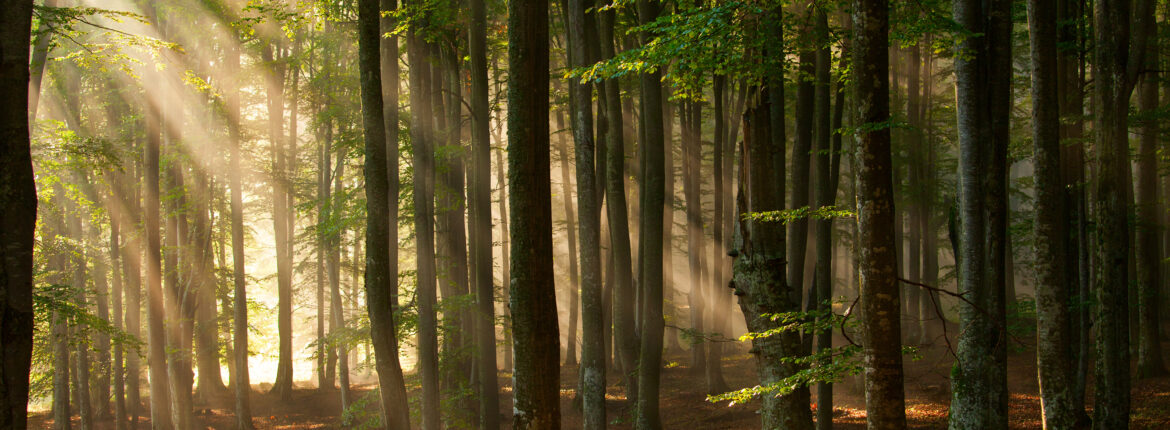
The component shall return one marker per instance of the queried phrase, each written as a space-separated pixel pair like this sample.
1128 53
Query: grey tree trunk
160 403
533 297
571 232
881 335
758 274
720 296
481 215
241 384
592 371
274 85
1053 326
625 337
979 397
1148 241
1118 50
691 154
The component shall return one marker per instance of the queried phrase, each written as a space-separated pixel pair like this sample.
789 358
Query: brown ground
684 405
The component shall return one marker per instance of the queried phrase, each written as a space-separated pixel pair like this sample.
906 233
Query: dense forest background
643 214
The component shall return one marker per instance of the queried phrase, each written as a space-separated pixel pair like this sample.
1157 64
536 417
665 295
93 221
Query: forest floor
684 404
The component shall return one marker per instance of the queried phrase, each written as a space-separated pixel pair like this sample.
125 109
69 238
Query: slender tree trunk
379 284
825 196
533 298
571 232
59 324
274 84
1119 49
983 90
481 215
885 400
1052 290
117 369
625 337
424 179
160 404
720 296
592 373
240 382
505 260
1148 244
650 242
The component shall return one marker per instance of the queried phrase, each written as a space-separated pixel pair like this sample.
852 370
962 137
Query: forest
627 214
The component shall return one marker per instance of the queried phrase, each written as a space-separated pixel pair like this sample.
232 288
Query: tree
19 197
379 284
589 222
625 337
533 299
1119 49
241 382
481 215
1147 242
1053 322
885 403
650 236
983 80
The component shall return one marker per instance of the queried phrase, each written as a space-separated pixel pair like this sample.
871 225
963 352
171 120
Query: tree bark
881 334
650 242
533 298
592 372
1148 243
1118 51
1052 290
240 383
379 284
625 337
481 215
979 397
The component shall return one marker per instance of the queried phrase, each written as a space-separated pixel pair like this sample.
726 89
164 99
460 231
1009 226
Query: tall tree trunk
240 382
505 260
758 274
979 397
571 232
274 85
825 196
1052 289
424 180
688 113
1148 244
1119 51
117 369
625 337
885 402
650 242
379 284
720 296
59 323
1070 48
481 215
533 298
160 404
592 373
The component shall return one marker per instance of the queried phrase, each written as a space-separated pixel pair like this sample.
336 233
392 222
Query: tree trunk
424 179
274 85
533 297
979 397
825 196
379 284
481 216
505 260
881 335
571 232
1052 289
688 113
160 404
720 296
592 372
650 242
1119 57
625 337
1148 243
117 369
240 382
758 274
